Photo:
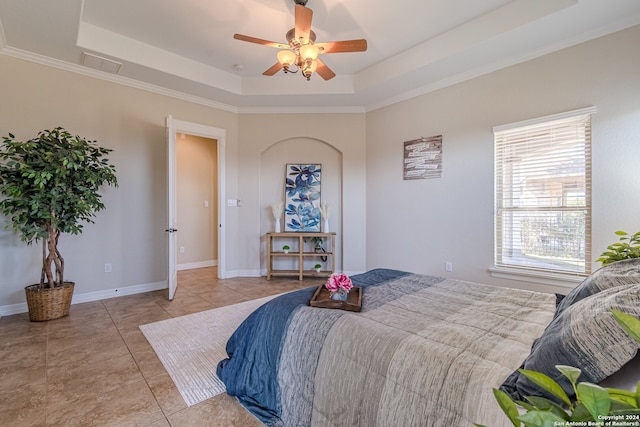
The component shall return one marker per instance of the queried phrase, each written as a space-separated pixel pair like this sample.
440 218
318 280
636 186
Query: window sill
552 279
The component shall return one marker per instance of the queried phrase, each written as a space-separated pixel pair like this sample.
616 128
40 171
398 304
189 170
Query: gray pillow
619 273
584 335
627 378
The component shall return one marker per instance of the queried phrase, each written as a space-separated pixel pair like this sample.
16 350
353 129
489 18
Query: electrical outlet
181 249
448 266
107 268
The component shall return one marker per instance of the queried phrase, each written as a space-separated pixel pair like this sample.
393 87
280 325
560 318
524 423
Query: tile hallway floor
95 368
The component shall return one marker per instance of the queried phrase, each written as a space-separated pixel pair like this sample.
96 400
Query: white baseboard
228 274
192 265
245 273
7 310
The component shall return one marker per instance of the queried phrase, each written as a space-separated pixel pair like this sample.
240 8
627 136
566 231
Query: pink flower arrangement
339 282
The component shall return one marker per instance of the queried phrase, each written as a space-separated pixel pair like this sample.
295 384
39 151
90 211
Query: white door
173 128
172 273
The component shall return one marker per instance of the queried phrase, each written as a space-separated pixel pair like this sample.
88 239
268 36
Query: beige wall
268 142
197 201
273 161
129 234
383 221
419 225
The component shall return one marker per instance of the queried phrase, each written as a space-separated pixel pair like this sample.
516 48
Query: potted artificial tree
49 186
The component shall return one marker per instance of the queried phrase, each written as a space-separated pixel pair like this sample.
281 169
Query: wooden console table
302 253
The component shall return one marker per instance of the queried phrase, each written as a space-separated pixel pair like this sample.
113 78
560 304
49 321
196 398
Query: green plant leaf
571 373
525 405
580 413
623 396
508 406
629 323
541 419
547 384
629 248
618 406
543 404
594 398
626 412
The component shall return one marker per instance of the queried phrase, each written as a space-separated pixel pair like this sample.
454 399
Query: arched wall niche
300 150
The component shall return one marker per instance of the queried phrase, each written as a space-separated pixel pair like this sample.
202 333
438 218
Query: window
543 194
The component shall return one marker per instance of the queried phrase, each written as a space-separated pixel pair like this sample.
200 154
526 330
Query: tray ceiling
186 48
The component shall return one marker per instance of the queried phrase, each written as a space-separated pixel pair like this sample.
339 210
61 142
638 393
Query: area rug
191 346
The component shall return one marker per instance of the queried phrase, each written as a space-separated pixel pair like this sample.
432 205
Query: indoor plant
286 248
50 186
318 267
623 249
318 247
592 405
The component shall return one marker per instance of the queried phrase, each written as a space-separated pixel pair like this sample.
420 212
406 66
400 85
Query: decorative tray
322 298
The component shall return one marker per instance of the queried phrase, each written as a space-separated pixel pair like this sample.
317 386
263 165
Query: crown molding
125 81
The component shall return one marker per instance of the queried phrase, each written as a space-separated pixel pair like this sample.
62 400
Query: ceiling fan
301 51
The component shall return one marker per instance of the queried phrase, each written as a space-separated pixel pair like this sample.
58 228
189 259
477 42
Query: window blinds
543 194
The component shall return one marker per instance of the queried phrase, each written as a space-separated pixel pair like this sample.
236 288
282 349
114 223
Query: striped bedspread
424 351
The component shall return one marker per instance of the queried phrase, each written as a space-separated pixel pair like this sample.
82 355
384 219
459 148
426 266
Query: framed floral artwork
302 197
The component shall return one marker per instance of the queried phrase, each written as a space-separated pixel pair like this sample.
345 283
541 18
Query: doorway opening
197 201
208 136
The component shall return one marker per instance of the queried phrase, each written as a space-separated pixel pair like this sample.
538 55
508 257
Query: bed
423 351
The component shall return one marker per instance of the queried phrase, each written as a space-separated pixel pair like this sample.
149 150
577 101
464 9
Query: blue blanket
250 371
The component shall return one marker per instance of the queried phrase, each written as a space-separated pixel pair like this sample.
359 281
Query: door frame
220 135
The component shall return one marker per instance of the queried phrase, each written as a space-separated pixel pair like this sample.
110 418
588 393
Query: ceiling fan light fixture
309 67
309 51
301 52
286 58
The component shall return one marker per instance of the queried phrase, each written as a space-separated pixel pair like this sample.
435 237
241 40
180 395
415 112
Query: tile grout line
155 398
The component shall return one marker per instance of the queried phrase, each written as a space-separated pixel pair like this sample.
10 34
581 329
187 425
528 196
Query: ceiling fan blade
260 41
303 23
359 45
324 71
274 69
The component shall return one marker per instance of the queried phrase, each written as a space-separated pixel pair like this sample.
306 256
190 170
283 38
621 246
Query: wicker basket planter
49 303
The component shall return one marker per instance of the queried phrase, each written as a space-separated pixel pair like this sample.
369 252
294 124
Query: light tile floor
95 368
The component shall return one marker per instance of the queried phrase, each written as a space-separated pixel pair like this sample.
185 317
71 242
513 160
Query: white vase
325 226
278 225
